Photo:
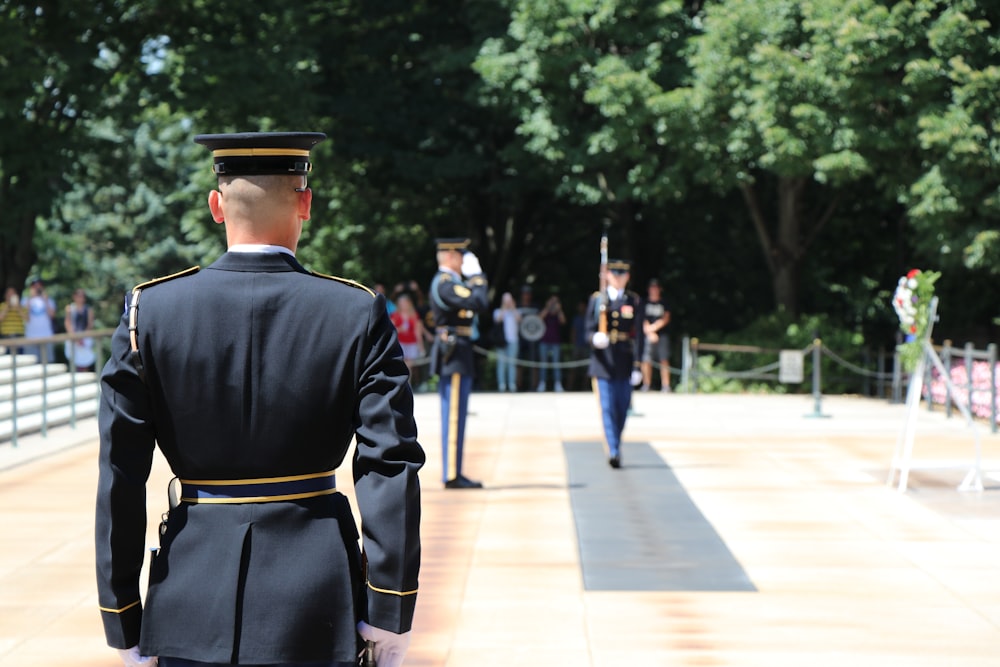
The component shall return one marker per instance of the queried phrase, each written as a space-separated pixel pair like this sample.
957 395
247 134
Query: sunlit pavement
742 531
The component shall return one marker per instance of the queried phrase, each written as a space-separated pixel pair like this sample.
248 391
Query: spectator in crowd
527 346
390 306
41 309
12 316
508 319
656 336
580 344
549 347
410 330
80 318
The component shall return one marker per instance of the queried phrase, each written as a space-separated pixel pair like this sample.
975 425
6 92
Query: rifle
367 656
602 317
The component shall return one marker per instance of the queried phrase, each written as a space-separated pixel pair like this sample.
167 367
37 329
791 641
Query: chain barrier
689 373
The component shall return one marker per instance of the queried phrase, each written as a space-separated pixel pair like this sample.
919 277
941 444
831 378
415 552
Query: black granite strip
639 530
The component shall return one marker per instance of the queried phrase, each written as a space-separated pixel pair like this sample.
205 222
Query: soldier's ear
305 204
215 206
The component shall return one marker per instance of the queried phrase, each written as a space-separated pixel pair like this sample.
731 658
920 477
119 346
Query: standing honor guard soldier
611 326
253 376
455 303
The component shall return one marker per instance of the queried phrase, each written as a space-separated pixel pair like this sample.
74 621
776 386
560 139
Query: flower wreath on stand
912 302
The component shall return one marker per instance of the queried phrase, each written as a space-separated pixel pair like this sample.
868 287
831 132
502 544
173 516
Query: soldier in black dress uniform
611 325
253 376
457 293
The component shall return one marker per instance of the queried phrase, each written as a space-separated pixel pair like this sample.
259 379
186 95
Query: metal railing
49 368
892 378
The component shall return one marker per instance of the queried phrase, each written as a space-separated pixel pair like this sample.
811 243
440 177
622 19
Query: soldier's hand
470 265
131 658
599 340
390 647
636 378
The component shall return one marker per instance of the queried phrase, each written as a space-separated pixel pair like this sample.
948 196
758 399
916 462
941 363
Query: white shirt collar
613 293
260 247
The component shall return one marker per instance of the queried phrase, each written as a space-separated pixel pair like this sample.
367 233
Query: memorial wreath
912 302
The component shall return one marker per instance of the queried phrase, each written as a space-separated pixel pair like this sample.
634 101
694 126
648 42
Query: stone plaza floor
741 531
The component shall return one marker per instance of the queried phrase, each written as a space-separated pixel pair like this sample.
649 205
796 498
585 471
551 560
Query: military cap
619 265
459 243
261 153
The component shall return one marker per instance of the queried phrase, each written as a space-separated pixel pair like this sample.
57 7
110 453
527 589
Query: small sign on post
790 365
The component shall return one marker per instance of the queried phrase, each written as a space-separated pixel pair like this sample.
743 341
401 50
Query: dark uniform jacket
455 304
253 368
617 360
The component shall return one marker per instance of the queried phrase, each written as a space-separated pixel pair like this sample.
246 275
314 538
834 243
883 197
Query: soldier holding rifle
611 327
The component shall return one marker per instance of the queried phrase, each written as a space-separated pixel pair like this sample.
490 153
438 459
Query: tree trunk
17 236
784 249
789 249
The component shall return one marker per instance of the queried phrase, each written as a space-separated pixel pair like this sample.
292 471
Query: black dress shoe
462 482
615 462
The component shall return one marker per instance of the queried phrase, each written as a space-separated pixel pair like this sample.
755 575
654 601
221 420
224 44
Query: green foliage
780 331
748 153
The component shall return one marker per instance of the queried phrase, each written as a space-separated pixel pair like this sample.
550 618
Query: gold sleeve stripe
118 611
388 592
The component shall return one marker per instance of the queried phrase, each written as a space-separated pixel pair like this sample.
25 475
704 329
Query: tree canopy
756 156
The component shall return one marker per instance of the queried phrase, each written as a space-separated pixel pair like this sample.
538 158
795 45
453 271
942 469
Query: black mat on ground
637 528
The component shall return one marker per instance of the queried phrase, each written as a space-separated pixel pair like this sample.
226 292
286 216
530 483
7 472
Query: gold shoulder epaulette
163 279
345 281
133 315
445 276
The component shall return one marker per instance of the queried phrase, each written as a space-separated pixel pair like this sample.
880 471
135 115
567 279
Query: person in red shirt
409 330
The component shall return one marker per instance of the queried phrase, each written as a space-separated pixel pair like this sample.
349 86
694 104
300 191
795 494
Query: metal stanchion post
817 380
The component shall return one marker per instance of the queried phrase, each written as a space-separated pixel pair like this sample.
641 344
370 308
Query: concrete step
32 387
57 416
85 395
8 360
30 371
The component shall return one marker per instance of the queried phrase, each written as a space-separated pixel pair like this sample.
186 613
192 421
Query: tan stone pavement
847 571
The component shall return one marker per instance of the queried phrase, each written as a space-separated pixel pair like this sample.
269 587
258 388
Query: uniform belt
619 337
458 331
260 490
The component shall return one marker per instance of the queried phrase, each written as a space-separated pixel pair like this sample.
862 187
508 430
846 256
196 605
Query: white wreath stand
902 458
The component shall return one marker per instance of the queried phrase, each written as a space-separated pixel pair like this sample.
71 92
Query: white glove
131 658
636 378
600 340
470 265
390 648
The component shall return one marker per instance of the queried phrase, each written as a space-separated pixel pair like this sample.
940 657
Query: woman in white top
41 309
509 318
80 317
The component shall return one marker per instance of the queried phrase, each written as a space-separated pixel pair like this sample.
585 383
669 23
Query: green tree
63 65
954 203
576 77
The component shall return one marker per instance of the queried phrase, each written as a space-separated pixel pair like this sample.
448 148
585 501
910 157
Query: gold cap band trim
252 152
